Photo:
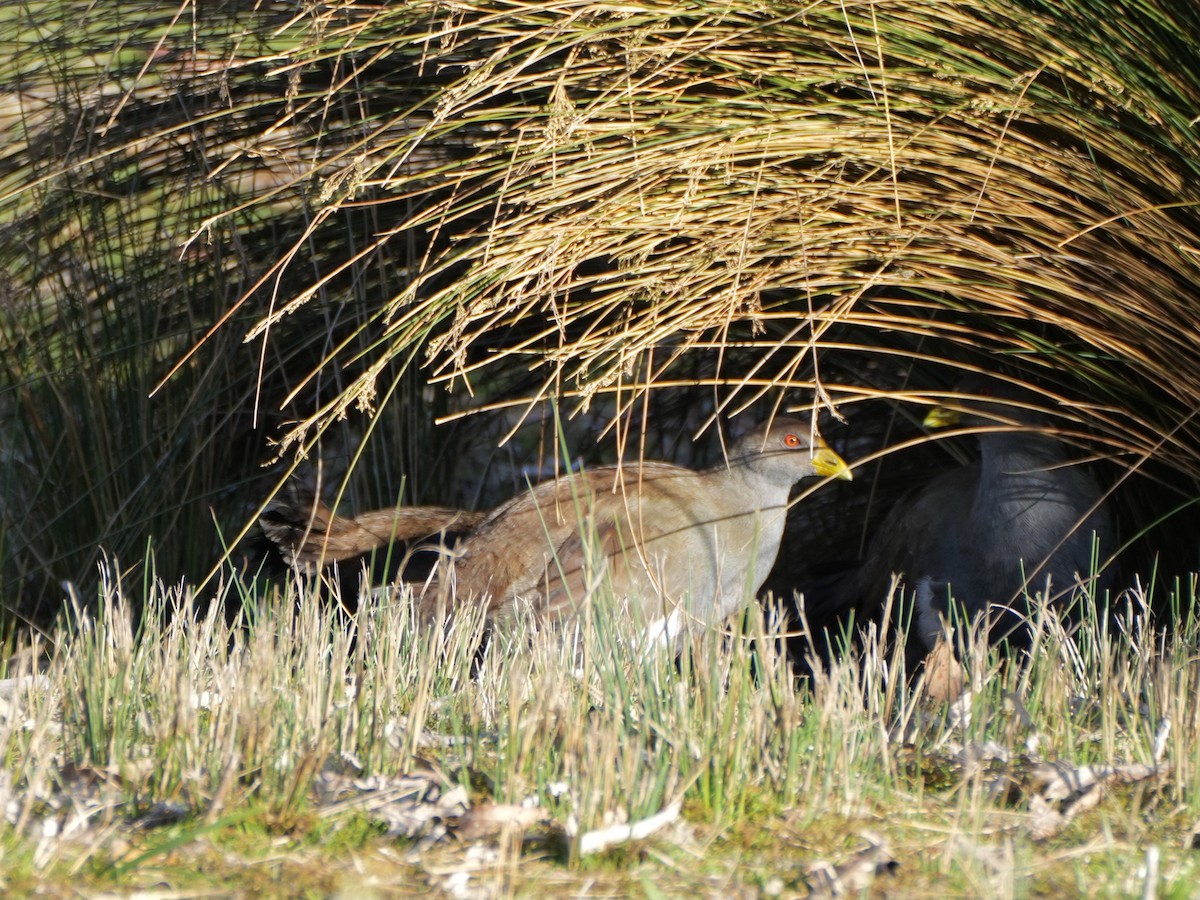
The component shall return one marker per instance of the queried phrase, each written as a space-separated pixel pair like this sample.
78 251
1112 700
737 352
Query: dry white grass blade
601 839
1150 885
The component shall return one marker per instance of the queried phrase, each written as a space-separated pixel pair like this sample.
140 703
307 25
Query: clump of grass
132 134
771 184
211 725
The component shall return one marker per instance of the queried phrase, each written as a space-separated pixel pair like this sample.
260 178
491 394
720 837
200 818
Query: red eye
791 440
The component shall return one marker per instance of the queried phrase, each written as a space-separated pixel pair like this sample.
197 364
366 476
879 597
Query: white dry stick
1160 739
1150 887
603 838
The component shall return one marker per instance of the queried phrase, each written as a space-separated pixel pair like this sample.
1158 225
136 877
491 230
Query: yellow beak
941 417
828 464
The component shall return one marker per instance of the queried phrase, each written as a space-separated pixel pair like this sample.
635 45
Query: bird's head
788 448
981 401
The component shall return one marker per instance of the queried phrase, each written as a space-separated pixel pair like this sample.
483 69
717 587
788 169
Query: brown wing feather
543 545
314 534
577 568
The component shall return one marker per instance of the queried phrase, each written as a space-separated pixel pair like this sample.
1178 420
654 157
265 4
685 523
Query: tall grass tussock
633 210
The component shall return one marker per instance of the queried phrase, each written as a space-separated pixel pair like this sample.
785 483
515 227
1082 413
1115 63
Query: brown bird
683 547
309 534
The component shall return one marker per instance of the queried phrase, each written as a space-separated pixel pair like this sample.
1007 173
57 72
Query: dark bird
682 547
995 538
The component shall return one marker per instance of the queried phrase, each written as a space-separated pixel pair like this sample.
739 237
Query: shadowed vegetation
713 205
